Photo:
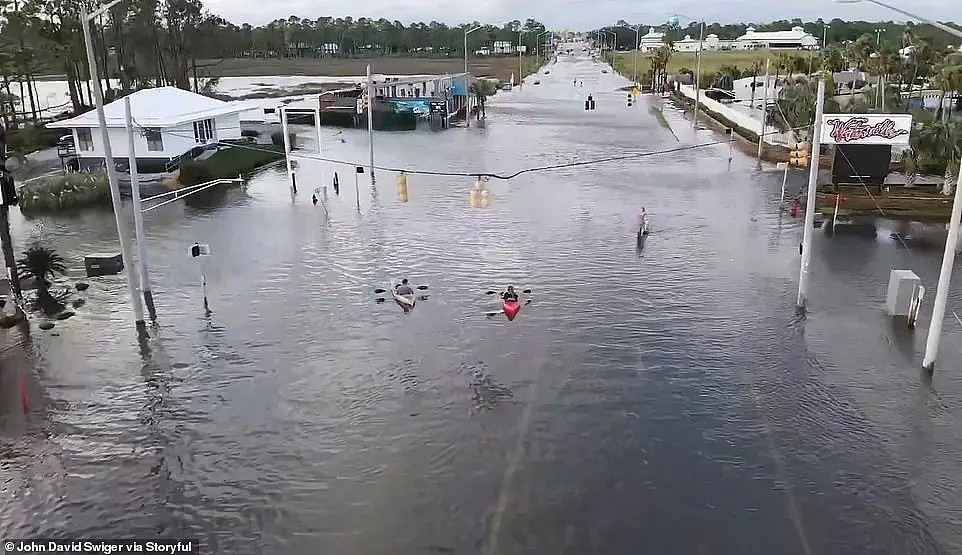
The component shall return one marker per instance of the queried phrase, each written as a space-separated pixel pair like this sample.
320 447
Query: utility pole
701 37
803 277
138 215
125 250
761 136
287 151
370 119
945 276
7 187
520 59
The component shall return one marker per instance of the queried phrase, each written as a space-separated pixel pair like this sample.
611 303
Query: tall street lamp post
129 268
467 95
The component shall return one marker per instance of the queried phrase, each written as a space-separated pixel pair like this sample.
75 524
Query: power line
550 167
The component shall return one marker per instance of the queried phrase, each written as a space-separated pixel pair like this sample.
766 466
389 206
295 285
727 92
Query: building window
204 131
85 141
155 140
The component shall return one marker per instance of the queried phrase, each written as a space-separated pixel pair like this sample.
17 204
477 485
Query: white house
795 38
652 40
712 42
686 44
168 123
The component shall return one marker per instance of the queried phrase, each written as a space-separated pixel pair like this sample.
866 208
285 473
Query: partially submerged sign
866 129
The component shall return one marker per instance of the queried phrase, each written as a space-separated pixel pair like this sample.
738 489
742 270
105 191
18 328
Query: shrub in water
193 172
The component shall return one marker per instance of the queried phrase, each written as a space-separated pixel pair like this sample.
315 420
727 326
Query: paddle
419 288
526 291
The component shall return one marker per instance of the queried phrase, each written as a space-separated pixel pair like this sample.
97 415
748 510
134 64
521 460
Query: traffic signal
629 100
800 153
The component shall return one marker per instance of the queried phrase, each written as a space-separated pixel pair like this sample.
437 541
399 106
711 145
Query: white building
795 38
168 123
502 47
686 44
712 42
652 40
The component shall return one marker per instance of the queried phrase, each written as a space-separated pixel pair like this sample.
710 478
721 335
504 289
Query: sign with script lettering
866 129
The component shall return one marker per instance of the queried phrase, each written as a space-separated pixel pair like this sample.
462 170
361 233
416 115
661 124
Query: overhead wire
504 177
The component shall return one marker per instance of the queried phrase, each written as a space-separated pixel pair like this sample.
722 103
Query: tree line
147 43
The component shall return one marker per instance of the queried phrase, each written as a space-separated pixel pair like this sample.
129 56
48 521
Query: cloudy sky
577 14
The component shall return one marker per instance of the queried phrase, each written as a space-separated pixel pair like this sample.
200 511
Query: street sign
866 129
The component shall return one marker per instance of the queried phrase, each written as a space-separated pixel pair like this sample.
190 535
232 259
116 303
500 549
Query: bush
228 163
277 137
193 172
73 190
31 138
250 133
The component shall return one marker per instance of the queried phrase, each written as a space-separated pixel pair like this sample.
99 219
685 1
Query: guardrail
178 194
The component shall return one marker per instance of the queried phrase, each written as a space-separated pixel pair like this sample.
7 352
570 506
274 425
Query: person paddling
510 294
403 288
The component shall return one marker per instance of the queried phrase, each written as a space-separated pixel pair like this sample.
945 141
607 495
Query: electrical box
904 288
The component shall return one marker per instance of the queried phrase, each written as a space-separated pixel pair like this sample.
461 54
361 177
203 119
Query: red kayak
511 308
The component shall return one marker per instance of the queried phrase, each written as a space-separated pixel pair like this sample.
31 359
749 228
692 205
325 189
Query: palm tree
910 166
482 89
41 263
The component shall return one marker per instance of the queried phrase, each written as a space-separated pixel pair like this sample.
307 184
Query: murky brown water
663 400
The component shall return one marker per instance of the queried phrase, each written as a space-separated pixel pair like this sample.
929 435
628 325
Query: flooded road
656 400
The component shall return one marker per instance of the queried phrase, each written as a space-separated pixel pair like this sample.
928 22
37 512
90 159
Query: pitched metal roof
157 107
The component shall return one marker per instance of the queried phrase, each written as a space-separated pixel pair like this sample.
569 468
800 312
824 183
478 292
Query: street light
637 31
701 38
467 97
129 268
948 257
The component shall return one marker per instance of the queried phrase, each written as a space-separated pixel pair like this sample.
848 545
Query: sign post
357 190
197 251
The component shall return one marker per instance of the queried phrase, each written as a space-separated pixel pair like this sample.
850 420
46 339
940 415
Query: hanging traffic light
799 154
629 100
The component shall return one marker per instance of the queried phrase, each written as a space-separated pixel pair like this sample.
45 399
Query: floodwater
664 399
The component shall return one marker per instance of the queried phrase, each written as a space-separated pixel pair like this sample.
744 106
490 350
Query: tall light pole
125 249
520 59
637 30
878 47
701 38
948 257
467 81
825 29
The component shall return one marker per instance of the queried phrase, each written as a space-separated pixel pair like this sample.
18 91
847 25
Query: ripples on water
663 403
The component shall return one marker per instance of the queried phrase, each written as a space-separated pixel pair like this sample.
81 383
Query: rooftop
157 107
796 33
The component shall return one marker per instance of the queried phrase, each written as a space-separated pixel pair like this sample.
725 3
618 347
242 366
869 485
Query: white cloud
574 14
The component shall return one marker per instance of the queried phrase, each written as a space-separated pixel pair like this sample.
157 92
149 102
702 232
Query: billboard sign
866 129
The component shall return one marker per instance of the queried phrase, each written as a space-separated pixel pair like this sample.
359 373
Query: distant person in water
642 216
403 288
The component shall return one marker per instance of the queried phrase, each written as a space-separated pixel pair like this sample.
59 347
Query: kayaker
642 216
510 295
403 288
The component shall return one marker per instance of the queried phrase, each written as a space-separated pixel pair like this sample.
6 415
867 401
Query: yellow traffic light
800 153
